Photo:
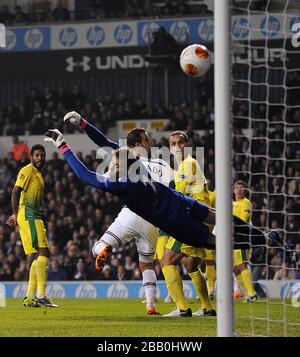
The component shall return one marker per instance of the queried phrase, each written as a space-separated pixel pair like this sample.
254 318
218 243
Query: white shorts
128 226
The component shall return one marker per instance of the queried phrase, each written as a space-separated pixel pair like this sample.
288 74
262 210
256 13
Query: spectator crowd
49 11
44 108
62 10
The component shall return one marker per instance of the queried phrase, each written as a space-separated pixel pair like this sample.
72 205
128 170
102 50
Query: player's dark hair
241 182
37 147
179 132
135 137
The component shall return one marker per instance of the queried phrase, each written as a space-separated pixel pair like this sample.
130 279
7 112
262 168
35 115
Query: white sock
149 285
97 247
105 240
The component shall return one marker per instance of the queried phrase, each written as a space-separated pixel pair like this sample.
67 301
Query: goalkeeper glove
55 137
73 118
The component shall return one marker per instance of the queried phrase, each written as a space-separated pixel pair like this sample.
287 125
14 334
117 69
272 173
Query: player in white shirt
128 225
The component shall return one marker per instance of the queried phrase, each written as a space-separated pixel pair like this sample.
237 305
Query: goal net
266 155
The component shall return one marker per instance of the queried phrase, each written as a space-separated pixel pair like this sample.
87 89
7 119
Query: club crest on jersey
182 176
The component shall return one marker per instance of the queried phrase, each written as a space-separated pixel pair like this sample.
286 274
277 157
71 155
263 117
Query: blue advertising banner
27 39
201 29
182 30
94 35
116 34
94 289
283 289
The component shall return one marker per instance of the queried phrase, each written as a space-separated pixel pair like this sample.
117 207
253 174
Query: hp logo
33 38
56 291
148 30
117 290
123 34
68 37
240 27
180 31
270 26
206 30
95 35
86 291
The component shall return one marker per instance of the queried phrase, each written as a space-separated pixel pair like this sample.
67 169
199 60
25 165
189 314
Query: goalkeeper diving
178 215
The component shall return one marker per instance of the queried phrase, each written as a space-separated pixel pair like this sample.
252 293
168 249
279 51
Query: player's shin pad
245 235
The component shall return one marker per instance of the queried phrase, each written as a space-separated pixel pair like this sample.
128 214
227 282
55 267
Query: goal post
223 160
257 140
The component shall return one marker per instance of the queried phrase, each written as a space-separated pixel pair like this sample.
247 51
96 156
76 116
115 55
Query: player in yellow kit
209 257
190 180
242 208
162 241
27 201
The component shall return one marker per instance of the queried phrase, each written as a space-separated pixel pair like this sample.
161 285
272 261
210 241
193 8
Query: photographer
163 43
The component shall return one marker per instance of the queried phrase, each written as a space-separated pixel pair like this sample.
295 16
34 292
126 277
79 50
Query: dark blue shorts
189 228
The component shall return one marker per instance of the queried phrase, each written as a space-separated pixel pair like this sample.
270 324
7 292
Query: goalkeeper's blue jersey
178 215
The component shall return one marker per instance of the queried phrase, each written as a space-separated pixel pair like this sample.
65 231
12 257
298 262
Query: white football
195 60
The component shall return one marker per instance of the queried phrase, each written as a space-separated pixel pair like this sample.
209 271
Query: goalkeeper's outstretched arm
103 182
88 176
94 134
97 136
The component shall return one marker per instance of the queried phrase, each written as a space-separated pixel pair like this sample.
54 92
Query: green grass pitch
127 317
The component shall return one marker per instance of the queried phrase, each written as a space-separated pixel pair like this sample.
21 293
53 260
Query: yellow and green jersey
31 181
190 180
212 198
242 209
